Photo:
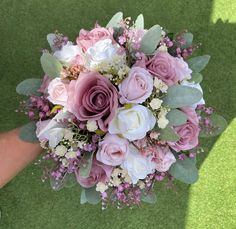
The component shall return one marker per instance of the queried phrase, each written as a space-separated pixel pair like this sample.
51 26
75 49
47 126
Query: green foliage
29 87
149 198
84 170
139 23
115 20
168 134
184 170
151 40
181 96
176 117
196 77
27 132
198 63
51 65
188 37
218 124
69 180
90 195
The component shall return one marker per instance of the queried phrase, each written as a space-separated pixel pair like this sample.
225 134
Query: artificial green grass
27 203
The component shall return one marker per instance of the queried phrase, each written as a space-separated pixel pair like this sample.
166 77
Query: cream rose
132 123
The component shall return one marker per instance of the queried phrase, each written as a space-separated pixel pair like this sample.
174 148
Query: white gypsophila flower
155 103
81 144
132 123
91 125
60 150
101 187
68 135
162 48
162 122
70 155
101 51
68 52
197 86
137 165
160 85
65 162
141 184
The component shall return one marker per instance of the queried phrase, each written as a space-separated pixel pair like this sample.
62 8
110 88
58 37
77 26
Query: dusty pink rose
187 132
182 69
58 92
163 66
93 97
163 158
137 87
44 86
99 173
112 150
87 39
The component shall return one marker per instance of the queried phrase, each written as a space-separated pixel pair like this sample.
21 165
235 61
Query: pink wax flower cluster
117 110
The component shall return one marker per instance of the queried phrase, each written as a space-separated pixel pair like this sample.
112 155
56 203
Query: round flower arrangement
118 110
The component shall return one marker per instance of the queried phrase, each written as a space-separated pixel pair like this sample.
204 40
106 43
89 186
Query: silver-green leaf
139 23
176 117
83 198
168 134
196 77
151 40
29 87
149 198
51 65
188 37
197 64
85 168
115 20
92 196
181 96
184 170
28 132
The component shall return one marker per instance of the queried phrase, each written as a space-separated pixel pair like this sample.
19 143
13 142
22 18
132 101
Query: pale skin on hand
15 155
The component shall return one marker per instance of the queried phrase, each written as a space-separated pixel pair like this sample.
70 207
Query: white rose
52 130
197 86
132 123
101 187
57 91
101 51
137 165
68 53
91 125
70 155
60 150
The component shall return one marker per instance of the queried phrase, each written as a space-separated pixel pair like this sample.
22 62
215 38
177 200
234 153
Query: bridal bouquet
118 110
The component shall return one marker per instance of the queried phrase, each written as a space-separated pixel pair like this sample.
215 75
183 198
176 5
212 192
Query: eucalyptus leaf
184 170
84 170
50 38
181 96
139 23
198 63
218 124
196 77
176 117
92 196
149 197
83 199
188 37
115 20
29 87
51 65
56 184
69 180
168 134
28 132
151 40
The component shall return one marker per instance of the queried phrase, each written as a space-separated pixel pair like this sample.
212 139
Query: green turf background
211 203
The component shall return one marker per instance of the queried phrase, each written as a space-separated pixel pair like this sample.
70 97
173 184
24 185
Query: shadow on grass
25 202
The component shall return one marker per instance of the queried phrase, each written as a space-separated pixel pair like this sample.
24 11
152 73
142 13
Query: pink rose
137 87
164 67
93 97
182 69
187 132
112 150
87 39
99 173
163 158
58 92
